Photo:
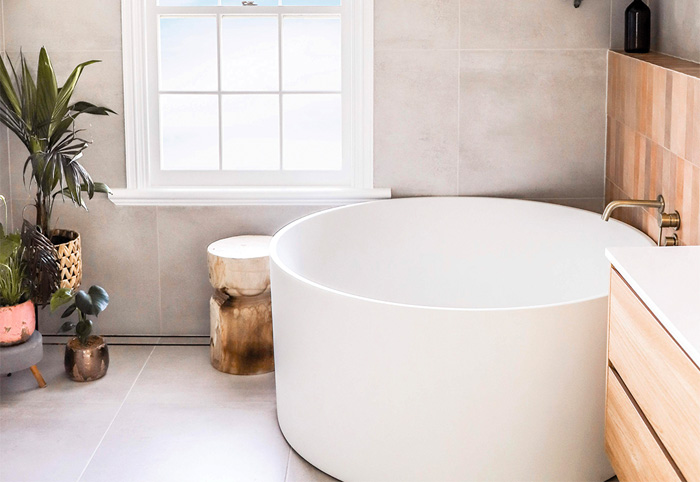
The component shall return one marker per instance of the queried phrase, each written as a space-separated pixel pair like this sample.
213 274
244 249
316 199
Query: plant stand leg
37 375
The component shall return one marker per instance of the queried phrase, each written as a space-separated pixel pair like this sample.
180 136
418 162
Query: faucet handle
669 240
669 220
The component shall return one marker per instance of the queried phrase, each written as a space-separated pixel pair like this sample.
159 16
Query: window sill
242 196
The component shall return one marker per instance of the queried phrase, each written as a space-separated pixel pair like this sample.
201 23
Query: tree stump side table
241 307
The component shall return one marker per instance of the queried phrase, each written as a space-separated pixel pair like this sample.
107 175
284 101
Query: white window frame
140 58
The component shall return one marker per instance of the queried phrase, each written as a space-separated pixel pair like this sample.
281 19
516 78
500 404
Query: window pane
312 132
311 53
188 53
189 125
249 59
323 3
251 132
187 3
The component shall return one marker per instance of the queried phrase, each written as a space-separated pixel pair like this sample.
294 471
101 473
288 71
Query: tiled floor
161 413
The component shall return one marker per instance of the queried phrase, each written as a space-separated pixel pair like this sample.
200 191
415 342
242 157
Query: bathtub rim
275 258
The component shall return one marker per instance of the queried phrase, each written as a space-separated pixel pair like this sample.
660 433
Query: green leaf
61 297
93 302
27 95
69 311
9 95
88 108
83 302
47 90
83 330
100 299
65 94
67 326
8 246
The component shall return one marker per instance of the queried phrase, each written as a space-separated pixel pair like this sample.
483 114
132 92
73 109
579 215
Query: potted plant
22 257
87 356
42 115
17 321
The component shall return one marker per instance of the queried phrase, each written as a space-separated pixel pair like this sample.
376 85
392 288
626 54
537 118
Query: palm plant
42 116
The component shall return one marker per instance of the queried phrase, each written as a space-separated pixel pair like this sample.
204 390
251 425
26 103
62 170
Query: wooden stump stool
241 308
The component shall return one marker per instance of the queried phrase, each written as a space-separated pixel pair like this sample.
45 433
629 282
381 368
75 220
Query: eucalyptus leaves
42 115
87 304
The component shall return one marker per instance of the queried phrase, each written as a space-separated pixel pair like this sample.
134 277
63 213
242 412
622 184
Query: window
247 100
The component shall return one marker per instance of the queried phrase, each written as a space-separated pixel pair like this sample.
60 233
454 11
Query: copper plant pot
69 255
86 363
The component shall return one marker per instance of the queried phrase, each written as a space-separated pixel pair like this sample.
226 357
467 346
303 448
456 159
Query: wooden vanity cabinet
652 419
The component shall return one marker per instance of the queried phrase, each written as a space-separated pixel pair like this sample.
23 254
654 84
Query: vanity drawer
661 378
634 452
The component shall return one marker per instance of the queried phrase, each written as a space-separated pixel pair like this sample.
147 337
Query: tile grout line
160 275
115 415
286 470
459 98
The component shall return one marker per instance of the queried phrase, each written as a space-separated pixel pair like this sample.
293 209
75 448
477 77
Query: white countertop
668 281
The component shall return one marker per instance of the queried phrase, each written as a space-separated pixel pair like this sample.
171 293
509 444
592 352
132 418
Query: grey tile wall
449 88
528 87
532 123
676 28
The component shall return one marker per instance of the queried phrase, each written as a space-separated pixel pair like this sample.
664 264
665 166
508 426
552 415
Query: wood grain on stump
241 334
240 266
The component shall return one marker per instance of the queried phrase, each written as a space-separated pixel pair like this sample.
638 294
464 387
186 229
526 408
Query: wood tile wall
653 140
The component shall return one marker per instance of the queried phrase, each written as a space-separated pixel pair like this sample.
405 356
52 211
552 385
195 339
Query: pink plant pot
17 323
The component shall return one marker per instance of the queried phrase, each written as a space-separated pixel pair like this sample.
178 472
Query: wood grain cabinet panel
634 452
661 378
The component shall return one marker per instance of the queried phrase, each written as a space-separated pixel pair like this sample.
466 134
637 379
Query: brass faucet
664 220
658 204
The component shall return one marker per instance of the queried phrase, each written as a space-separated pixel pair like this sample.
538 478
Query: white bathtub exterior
373 389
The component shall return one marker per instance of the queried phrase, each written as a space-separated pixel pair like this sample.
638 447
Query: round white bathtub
439 339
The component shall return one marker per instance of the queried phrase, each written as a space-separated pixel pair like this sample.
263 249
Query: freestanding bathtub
440 339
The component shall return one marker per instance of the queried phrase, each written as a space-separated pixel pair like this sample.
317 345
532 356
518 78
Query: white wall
472 97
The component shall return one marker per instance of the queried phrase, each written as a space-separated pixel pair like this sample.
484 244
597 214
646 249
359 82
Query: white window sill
241 196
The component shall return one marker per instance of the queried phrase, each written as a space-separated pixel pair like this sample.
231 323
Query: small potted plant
42 115
28 272
87 356
17 321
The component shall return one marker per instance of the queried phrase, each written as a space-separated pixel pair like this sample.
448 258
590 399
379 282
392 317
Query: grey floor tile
184 375
50 441
299 470
124 366
159 442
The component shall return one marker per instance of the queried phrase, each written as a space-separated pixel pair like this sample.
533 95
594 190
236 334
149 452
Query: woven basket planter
70 263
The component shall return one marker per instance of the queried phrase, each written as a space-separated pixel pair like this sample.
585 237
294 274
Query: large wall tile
120 253
676 28
535 24
418 24
62 25
533 123
184 234
415 122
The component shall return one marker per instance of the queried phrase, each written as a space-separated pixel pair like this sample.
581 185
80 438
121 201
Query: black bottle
637 28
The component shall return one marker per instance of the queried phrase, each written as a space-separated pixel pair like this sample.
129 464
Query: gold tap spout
641 203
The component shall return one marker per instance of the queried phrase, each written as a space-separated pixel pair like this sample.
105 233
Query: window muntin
231 68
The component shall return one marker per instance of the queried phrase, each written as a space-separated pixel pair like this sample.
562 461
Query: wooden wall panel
653 139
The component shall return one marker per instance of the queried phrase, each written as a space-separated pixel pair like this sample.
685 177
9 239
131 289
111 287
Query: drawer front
634 452
661 378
